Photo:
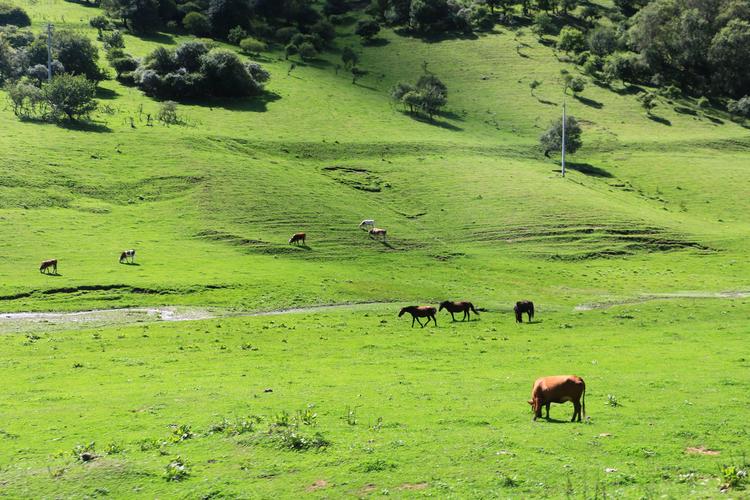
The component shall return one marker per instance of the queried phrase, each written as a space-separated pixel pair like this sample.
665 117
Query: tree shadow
548 103
84 3
588 169
256 104
434 122
104 93
659 119
452 115
685 111
84 126
377 42
715 120
588 102
436 36
162 38
627 90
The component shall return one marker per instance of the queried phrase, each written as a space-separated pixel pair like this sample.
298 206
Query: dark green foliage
11 14
335 7
76 52
140 16
740 107
307 51
349 57
367 29
429 15
629 7
197 24
544 24
189 55
571 40
226 14
70 96
648 101
729 55
602 40
252 46
236 35
324 30
551 140
428 96
124 64
100 23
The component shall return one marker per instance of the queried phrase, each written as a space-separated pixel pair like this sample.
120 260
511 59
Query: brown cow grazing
558 389
420 312
296 238
454 307
48 266
524 306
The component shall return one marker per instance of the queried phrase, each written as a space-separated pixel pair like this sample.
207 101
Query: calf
297 237
558 389
48 265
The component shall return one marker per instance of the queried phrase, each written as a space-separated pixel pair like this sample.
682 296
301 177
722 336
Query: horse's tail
531 309
473 309
517 310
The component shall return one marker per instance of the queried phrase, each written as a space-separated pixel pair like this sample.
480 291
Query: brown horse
454 307
524 306
296 238
420 312
376 231
48 265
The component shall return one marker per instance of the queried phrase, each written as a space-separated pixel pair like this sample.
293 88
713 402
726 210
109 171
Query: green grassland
473 211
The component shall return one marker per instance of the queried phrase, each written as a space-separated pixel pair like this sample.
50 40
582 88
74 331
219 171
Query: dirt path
30 321
648 297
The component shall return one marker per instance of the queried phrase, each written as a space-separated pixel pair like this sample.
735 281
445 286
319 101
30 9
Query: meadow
637 261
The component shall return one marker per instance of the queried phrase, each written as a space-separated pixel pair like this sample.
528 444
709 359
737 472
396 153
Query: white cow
367 224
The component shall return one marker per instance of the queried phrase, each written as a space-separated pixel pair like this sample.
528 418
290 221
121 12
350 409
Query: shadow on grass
627 90
659 119
377 42
83 3
85 126
304 247
103 93
685 111
256 104
717 121
54 275
588 102
162 38
130 263
432 121
588 169
548 103
436 37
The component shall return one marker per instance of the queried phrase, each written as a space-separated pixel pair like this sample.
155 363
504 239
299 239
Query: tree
602 40
307 51
729 55
571 40
100 23
226 76
70 95
630 7
11 14
124 64
335 7
252 46
197 24
648 101
551 140
740 107
226 14
76 52
577 84
349 57
533 85
544 24
27 99
367 29
428 15
428 96
236 35
140 16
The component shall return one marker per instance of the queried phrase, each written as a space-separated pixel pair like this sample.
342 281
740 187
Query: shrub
252 46
544 24
27 99
602 40
113 40
703 103
226 76
70 95
367 29
188 55
177 470
236 35
349 57
284 35
307 51
324 30
76 52
571 40
100 23
124 65
577 84
11 14
428 96
197 24
551 140
740 107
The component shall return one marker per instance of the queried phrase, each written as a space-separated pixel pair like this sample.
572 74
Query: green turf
473 211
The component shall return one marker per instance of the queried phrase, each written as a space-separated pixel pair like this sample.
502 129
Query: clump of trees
12 14
65 96
551 140
195 70
427 97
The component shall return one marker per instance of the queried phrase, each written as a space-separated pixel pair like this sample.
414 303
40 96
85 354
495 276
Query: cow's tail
473 309
532 310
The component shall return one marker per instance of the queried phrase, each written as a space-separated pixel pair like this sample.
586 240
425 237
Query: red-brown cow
297 237
559 389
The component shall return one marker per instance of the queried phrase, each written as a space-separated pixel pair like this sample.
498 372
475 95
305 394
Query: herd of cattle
546 390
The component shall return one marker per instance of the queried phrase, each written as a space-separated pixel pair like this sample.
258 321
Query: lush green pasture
473 211
443 408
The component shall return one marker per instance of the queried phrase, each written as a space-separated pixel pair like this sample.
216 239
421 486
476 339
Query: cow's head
535 406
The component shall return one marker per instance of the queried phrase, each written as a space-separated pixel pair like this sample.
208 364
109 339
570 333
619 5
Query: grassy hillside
473 210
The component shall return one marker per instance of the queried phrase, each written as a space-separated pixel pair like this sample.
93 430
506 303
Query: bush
602 40
571 40
27 99
124 64
10 14
428 96
307 51
113 40
367 29
196 24
177 470
551 140
740 107
71 96
100 23
544 24
236 35
252 46
188 55
226 76
284 35
577 84
325 31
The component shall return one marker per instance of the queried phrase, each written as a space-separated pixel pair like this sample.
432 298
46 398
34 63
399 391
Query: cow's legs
547 406
452 316
576 411
412 321
434 320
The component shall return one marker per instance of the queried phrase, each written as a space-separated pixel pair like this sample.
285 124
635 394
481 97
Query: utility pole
49 51
562 164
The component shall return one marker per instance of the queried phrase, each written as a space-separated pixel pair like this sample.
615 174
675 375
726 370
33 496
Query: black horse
524 306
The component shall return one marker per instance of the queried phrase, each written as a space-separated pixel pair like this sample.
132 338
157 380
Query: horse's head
403 310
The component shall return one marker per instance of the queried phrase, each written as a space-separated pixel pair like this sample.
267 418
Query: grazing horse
48 265
558 389
524 306
454 307
376 231
296 238
420 312
127 254
367 224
